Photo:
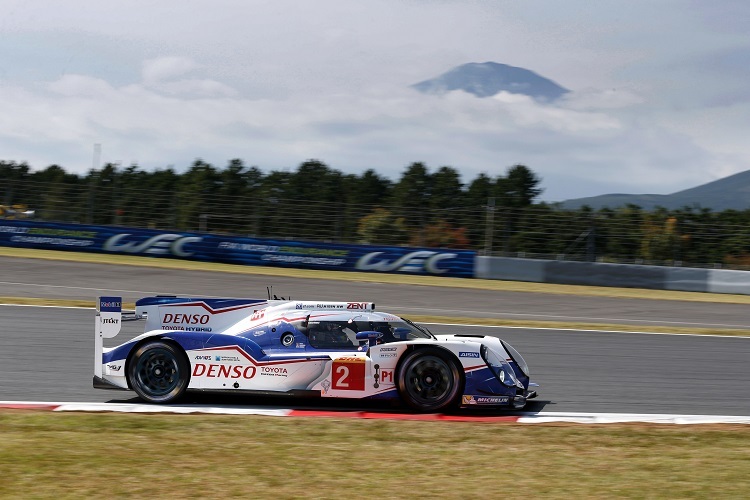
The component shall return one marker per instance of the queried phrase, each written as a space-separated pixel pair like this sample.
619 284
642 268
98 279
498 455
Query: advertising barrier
236 250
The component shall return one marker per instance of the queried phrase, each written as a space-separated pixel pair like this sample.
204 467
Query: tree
518 188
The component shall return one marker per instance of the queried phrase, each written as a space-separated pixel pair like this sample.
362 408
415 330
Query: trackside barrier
236 250
616 275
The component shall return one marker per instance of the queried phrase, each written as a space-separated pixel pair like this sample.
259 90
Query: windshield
393 331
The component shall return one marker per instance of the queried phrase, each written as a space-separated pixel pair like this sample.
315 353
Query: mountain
731 192
487 79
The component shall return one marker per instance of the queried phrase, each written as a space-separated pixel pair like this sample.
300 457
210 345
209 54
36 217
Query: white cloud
166 68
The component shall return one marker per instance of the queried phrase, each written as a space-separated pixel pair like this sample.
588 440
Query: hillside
731 192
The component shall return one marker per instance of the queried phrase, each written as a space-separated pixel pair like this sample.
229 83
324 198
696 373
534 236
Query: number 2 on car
348 374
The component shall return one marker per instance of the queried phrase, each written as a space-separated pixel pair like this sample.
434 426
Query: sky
659 98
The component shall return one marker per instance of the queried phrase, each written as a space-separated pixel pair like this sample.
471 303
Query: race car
302 348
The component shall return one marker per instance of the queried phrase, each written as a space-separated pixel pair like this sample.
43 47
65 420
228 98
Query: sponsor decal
226 358
114 368
13 229
223 371
110 321
257 314
300 345
301 259
388 349
204 357
356 305
483 400
110 304
46 240
312 305
468 354
68 233
388 355
274 371
247 247
186 319
162 244
413 262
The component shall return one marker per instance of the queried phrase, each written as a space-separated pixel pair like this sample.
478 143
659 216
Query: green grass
182 456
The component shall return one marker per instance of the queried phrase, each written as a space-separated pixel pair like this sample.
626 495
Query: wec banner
236 250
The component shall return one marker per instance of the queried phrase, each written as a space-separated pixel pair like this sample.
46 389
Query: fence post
591 242
489 226
203 223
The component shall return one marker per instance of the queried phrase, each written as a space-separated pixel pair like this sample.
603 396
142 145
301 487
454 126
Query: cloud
658 102
166 68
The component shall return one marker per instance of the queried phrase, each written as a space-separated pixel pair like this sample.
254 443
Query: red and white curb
523 418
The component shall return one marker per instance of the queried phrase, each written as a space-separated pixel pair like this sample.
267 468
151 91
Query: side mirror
370 336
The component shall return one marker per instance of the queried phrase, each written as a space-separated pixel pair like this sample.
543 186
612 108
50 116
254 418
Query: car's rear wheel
159 372
429 380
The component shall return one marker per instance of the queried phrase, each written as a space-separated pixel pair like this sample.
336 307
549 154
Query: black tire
159 372
428 380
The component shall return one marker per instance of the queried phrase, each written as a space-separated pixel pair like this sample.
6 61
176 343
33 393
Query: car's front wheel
159 372
429 380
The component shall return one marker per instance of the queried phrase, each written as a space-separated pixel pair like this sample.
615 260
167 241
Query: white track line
522 418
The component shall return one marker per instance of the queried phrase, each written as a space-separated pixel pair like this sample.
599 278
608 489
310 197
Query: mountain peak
489 78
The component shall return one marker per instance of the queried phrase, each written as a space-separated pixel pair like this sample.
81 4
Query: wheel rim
157 372
429 380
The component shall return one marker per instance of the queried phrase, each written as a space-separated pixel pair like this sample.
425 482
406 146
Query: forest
493 214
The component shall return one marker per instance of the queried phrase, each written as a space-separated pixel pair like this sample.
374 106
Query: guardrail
236 250
617 275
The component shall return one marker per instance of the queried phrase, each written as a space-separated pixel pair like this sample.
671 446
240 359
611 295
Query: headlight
499 367
517 358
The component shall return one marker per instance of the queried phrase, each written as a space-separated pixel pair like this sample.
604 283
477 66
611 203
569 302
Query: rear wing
106 325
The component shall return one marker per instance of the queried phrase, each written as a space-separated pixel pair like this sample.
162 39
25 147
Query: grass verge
116 455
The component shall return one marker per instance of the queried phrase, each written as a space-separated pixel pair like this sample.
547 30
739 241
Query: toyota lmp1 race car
302 348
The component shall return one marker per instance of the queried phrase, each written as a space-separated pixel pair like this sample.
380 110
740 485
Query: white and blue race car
302 348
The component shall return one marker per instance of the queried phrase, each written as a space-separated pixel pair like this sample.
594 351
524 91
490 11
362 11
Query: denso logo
186 319
161 244
356 305
468 354
414 262
225 371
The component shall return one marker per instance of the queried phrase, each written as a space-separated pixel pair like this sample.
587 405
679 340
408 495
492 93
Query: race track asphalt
85 281
46 354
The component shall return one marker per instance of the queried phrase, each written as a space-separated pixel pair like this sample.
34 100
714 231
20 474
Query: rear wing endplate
107 325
